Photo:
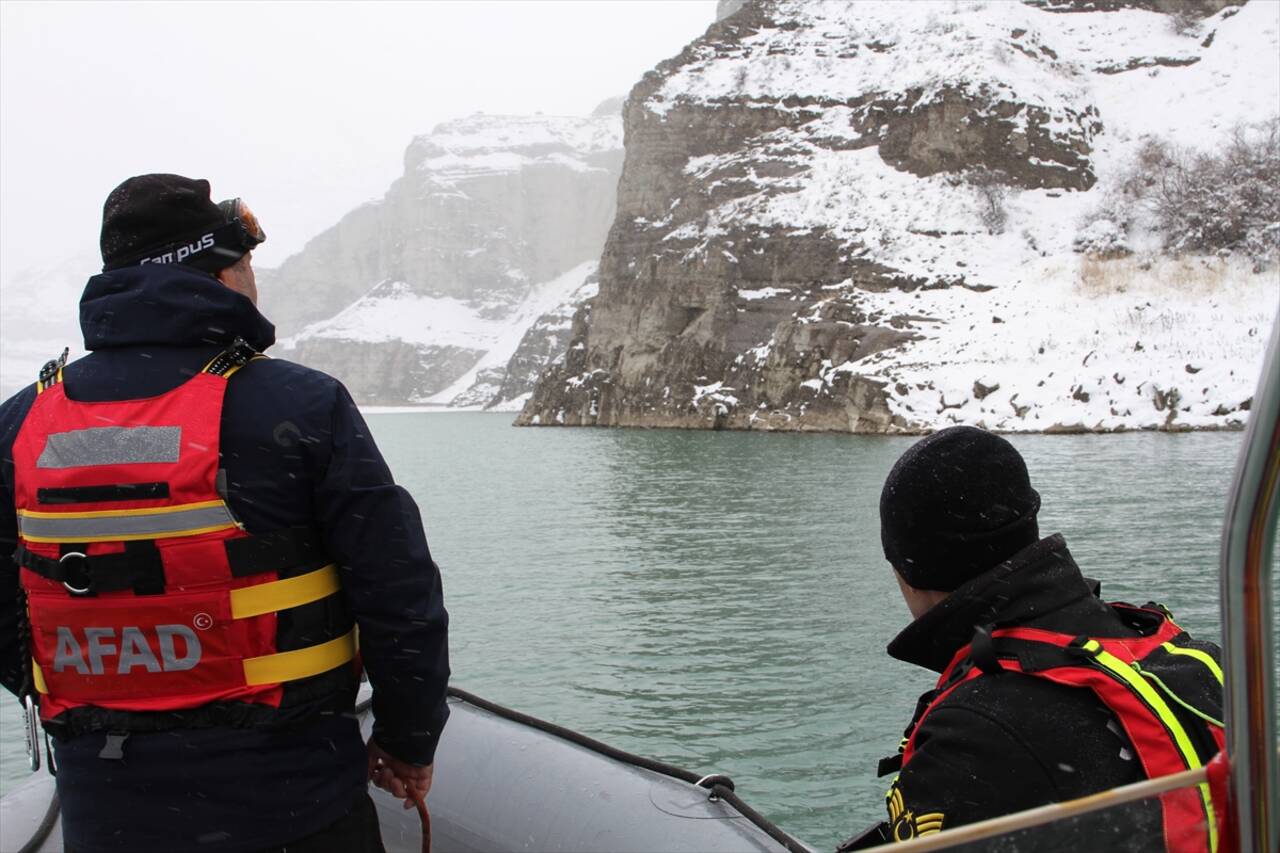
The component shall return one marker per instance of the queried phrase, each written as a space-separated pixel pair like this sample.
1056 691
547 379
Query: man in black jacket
1013 724
178 290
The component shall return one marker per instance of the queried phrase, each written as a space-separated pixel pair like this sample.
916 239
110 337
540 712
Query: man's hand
404 781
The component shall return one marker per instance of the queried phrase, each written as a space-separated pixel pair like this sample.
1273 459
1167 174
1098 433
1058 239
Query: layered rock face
407 296
858 217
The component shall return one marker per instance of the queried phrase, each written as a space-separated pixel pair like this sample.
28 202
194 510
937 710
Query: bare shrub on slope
992 188
1222 202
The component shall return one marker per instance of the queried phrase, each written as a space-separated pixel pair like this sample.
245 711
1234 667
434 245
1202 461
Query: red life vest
144 593
1132 676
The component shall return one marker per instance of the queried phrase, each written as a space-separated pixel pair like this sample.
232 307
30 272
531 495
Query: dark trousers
357 832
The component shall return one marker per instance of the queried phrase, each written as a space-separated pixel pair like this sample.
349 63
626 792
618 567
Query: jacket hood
167 304
1040 585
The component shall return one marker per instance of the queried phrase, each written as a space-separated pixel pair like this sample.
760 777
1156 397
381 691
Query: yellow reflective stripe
1203 657
281 595
37 678
115 513
301 663
131 537
124 525
1158 682
1157 704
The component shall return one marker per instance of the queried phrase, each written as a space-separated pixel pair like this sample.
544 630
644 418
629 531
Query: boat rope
719 787
424 816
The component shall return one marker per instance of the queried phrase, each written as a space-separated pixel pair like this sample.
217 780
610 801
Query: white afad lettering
99 647
134 651
68 653
169 657
177 650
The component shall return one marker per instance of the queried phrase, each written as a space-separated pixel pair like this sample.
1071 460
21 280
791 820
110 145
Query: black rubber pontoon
506 781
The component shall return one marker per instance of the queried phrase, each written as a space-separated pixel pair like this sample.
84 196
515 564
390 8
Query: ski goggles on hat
211 250
250 231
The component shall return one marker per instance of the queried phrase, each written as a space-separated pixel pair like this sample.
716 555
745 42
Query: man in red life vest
197 530
1046 693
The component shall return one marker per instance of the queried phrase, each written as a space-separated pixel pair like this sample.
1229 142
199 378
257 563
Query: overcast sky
304 109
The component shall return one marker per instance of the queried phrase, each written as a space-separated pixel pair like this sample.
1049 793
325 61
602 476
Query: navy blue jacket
296 453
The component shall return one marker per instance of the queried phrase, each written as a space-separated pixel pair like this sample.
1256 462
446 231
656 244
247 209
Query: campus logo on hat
182 253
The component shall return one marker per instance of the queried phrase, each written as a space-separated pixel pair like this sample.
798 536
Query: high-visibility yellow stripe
281 595
132 537
126 525
1157 704
37 678
1203 657
117 513
301 663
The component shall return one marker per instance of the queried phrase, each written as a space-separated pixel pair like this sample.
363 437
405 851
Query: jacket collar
167 304
1035 583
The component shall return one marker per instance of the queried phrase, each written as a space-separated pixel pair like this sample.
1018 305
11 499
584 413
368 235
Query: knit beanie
154 214
955 505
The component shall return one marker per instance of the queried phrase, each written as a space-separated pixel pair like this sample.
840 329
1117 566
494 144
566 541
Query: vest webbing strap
301 663
1136 683
283 594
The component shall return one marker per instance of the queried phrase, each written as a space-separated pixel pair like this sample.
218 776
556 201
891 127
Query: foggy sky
304 109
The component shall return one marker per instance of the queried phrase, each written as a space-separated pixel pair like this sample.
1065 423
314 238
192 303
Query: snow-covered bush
1185 21
992 188
1102 238
1221 202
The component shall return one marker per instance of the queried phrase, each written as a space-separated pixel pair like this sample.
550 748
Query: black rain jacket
296 452
1005 743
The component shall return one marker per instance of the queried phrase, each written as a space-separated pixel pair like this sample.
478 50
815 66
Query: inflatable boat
507 781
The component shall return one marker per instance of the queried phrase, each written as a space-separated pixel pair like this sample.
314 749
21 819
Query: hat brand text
180 254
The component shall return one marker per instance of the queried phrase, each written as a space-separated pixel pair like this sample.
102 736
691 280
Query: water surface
720 600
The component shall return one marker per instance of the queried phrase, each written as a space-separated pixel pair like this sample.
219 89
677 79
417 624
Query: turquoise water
719 600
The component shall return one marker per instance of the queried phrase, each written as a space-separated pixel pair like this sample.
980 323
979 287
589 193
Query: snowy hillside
424 296
864 217
39 315
441 327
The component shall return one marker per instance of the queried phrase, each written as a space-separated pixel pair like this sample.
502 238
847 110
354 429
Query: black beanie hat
154 212
955 505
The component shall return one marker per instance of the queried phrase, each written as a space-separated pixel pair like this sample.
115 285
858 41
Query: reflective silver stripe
111 446
124 525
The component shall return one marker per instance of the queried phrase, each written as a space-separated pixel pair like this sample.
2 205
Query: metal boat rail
1248 540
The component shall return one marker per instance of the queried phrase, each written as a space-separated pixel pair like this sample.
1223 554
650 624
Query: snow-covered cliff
426 294
866 217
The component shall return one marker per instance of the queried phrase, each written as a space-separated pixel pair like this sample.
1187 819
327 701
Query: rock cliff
859 217
438 281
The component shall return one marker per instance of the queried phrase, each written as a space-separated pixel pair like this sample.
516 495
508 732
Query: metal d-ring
71 589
